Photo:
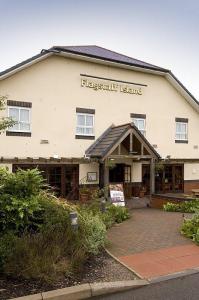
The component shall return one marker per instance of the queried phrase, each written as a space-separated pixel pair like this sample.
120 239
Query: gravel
99 268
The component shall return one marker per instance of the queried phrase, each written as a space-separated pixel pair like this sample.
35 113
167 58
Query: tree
5 122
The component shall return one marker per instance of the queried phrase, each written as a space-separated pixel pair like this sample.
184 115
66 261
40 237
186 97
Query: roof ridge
121 58
127 56
122 125
74 46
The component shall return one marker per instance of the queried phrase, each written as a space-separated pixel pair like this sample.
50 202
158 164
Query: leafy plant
159 167
19 199
118 213
36 238
190 228
4 121
173 207
184 206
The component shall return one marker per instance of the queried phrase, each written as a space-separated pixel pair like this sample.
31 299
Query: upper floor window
22 117
181 130
140 122
85 123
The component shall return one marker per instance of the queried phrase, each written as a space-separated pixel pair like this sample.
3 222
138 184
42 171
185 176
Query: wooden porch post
152 176
101 175
131 142
104 175
63 181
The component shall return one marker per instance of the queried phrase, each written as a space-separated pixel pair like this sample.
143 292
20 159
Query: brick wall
190 185
157 201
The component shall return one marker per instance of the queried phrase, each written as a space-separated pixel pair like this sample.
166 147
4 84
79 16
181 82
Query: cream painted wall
137 172
84 169
191 171
54 88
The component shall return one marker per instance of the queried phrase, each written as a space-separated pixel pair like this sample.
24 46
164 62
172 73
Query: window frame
180 133
11 129
84 126
143 119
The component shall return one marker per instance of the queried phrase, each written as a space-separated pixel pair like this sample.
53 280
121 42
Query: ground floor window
169 179
64 179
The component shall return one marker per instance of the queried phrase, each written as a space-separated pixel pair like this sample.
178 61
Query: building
88 115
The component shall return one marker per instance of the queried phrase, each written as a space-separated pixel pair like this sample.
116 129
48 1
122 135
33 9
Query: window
22 117
85 124
181 131
140 124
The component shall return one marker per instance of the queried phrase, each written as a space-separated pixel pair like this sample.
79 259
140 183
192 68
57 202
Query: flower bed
37 240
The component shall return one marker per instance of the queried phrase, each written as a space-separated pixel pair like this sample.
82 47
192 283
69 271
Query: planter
141 194
84 197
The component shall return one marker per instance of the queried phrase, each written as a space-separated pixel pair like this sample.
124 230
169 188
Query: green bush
172 207
118 213
19 199
113 214
22 183
54 248
190 228
36 237
184 206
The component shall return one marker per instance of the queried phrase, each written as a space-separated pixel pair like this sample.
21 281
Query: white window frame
20 108
84 126
180 133
141 130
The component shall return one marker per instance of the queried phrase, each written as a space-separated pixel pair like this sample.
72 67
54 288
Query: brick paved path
148 229
150 243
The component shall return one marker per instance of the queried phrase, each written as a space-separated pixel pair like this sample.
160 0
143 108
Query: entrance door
146 178
121 173
116 174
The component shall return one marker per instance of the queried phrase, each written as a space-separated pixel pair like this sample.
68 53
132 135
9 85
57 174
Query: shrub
118 213
113 214
190 228
33 256
22 184
171 207
184 206
36 239
50 251
19 199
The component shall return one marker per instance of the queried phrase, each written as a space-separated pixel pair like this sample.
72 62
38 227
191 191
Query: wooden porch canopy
124 141
46 160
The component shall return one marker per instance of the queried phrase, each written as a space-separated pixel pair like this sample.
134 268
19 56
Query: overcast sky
161 32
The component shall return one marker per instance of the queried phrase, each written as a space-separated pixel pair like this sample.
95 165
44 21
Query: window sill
18 133
181 141
84 137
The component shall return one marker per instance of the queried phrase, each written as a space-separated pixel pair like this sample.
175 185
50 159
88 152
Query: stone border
86 291
171 276
123 264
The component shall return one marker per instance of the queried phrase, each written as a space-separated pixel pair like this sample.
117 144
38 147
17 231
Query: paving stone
148 229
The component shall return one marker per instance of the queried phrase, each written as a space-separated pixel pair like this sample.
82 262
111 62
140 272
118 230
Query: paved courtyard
151 245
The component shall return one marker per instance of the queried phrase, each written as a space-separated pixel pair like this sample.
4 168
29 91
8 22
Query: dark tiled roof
100 53
110 137
29 60
109 55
